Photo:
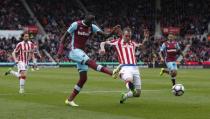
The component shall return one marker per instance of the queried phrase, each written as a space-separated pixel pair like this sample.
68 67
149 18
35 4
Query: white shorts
21 66
131 72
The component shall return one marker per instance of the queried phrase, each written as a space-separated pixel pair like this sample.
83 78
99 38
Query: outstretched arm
102 45
115 29
143 43
146 38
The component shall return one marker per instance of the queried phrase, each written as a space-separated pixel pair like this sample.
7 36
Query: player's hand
16 61
102 52
161 60
117 29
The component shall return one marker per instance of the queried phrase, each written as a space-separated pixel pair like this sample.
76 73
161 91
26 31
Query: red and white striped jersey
24 49
125 51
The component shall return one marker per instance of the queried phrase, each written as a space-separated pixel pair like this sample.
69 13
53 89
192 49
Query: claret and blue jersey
170 50
80 33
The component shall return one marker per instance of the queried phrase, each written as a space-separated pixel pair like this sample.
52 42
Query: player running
125 48
170 49
80 32
21 55
36 54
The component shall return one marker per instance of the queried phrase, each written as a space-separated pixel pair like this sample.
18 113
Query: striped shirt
24 49
125 51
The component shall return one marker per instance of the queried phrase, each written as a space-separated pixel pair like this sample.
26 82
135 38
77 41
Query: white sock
99 67
22 84
129 94
173 78
15 73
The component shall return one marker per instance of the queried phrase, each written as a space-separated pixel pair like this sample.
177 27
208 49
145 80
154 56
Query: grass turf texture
47 89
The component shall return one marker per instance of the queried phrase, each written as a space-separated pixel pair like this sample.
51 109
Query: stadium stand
55 16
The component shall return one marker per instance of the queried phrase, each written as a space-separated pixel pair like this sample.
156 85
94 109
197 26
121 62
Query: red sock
106 70
80 84
92 64
73 95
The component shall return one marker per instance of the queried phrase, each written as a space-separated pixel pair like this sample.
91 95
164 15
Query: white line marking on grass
111 91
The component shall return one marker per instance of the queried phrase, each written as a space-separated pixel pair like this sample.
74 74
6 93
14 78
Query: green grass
47 89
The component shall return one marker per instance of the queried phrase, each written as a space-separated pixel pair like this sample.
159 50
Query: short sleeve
95 28
72 27
163 47
113 42
18 47
177 46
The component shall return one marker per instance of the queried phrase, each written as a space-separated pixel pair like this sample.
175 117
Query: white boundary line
119 91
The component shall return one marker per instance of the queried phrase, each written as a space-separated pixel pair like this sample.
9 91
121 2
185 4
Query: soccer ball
178 89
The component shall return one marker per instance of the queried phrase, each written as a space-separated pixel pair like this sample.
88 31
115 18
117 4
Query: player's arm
14 56
163 47
98 31
16 50
146 38
179 50
142 44
64 39
102 45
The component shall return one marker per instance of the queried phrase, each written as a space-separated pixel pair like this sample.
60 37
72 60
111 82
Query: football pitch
47 89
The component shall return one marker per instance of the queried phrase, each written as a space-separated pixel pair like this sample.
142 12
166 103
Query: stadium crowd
55 16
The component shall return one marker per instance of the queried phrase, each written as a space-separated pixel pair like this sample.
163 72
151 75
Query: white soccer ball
178 89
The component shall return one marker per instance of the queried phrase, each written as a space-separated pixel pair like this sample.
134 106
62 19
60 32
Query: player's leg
81 57
173 72
22 80
92 64
22 76
34 66
10 71
137 85
163 70
77 88
128 78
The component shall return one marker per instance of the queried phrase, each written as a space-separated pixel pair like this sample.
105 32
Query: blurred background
47 20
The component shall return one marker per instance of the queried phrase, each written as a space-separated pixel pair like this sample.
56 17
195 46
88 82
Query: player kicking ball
21 55
125 48
80 32
170 49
